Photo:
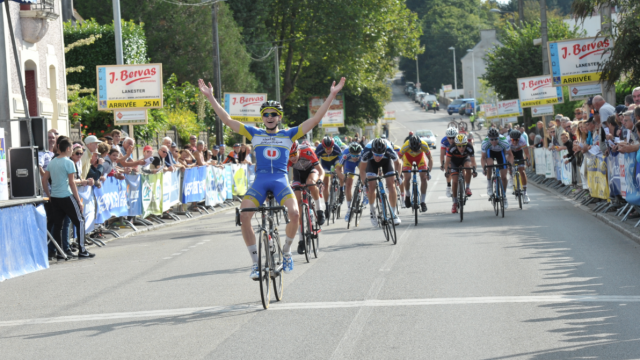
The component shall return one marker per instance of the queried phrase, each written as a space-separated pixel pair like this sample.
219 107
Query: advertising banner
597 176
228 179
557 164
540 161
130 117
550 172
4 189
631 173
581 92
134 198
244 107
539 111
240 181
194 184
537 90
447 88
613 174
89 207
334 116
151 194
509 108
170 190
577 61
389 115
214 185
129 87
567 169
111 199
490 112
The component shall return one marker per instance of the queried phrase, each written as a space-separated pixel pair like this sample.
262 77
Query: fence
611 181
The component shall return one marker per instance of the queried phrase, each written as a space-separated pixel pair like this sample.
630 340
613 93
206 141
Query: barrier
597 176
151 189
27 252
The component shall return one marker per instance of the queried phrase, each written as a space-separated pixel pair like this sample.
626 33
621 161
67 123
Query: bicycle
385 213
415 192
270 257
517 183
462 194
334 190
498 193
356 200
309 222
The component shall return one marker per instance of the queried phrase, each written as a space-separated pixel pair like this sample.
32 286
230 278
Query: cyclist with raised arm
459 155
496 146
379 154
329 153
347 165
445 144
518 144
306 170
272 154
415 150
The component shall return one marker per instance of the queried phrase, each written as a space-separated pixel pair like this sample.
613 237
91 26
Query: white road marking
176 254
167 258
624 299
395 253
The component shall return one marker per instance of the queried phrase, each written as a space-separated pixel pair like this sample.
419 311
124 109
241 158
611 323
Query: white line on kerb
330 305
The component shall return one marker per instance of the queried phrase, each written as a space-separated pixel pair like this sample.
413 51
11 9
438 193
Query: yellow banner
539 102
580 79
247 119
332 125
130 104
509 115
492 117
597 176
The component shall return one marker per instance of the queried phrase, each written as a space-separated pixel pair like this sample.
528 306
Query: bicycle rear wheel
359 206
501 198
390 225
414 203
461 196
496 207
306 232
315 239
518 190
264 259
277 260
354 207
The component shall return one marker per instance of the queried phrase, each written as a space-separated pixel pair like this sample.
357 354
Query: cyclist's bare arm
320 171
207 91
315 120
430 158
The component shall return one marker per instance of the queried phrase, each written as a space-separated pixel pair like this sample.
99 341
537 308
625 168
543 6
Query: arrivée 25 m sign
578 61
129 87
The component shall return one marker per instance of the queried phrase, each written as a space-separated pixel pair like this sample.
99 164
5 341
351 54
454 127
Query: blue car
456 105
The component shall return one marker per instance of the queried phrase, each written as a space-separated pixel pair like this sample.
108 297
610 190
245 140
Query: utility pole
277 58
608 89
545 58
117 29
417 72
521 12
216 70
455 73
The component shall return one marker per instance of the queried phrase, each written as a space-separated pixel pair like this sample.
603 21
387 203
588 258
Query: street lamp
455 76
473 65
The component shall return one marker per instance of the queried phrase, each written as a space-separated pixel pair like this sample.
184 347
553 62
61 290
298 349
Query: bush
185 121
102 51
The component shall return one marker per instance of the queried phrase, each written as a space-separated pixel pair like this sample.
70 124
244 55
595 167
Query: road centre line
331 305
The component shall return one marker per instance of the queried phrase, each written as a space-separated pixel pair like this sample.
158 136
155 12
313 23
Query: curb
635 237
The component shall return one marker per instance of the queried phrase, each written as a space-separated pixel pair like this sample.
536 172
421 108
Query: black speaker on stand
39 129
23 168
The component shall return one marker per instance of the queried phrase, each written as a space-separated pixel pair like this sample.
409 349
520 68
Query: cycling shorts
348 167
518 155
455 165
499 156
277 183
385 164
326 165
300 176
408 160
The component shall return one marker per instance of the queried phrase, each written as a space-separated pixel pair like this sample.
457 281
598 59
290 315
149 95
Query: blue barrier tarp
111 200
23 241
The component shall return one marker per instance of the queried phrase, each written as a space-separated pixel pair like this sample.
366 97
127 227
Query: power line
264 57
207 2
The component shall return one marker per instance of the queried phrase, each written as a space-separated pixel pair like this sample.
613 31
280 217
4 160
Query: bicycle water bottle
321 205
272 247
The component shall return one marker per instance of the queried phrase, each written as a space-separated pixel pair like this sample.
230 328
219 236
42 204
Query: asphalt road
545 282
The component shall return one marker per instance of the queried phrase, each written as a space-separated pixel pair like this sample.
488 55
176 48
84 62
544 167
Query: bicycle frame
305 200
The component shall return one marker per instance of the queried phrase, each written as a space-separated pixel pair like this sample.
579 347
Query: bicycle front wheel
414 203
519 190
390 225
461 196
264 259
501 198
496 207
359 206
315 238
354 207
306 232
277 261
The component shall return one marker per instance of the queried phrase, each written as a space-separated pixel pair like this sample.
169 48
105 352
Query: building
39 39
474 62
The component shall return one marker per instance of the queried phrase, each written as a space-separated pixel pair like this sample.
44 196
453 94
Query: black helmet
271 104
415 143
493 133
328 142
515 134
378 146
355 148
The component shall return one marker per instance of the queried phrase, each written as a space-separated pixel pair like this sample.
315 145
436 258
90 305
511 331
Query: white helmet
452 132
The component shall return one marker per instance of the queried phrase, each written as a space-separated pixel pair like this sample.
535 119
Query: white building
39 39
473 62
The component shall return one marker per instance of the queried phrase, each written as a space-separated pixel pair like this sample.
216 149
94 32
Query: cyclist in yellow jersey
415 150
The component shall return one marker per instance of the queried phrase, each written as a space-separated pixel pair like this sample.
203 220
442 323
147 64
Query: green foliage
102 51
185 121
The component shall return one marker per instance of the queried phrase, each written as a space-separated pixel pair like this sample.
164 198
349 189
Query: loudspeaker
39 129
23 164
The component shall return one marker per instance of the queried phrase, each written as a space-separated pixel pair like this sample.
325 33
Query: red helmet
294 148
410 133
328 142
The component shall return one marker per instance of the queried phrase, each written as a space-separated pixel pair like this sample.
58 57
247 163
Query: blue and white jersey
389 153
444 144
347 158
272 150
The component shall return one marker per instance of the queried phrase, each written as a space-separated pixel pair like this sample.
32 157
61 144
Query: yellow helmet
461 139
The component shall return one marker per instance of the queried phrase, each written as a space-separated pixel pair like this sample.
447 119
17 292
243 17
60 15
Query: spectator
64 197
164 154
602 107
76 155
317 143
532 136
636 96
567 144
109 140
91 142
244 156
565 123
116 135
214 154
628 100
232 158
539 128
126 161
169 161
552 140
582 132
577 114
538 141
192 143
611 128
45 156
107 165
186 159
95 171
199 153
363 141
222 154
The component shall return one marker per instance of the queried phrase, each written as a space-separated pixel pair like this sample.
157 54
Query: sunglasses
78 153
378 155
293 154
461 146
493 139
270 114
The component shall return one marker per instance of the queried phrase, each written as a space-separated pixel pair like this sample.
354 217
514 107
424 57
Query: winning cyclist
306 170
379 154
349 161
518 143
415 150
329 153
272 154
496 146
460 155
445 144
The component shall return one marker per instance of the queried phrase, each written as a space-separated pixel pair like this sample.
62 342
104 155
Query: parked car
426 98
419 97
429 137
469 106
408 85
456 105
432 105
410 92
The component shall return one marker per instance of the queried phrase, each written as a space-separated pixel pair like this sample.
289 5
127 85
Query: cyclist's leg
454 183
327 180
349 188
467 173
388 168
284 196
423 186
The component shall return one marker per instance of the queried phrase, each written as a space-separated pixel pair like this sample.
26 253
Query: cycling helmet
452 132
410 133
305 143
271 104
383 136
515 134
493 133
328 142
355 149
461 139
294 148
415 143
378 146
